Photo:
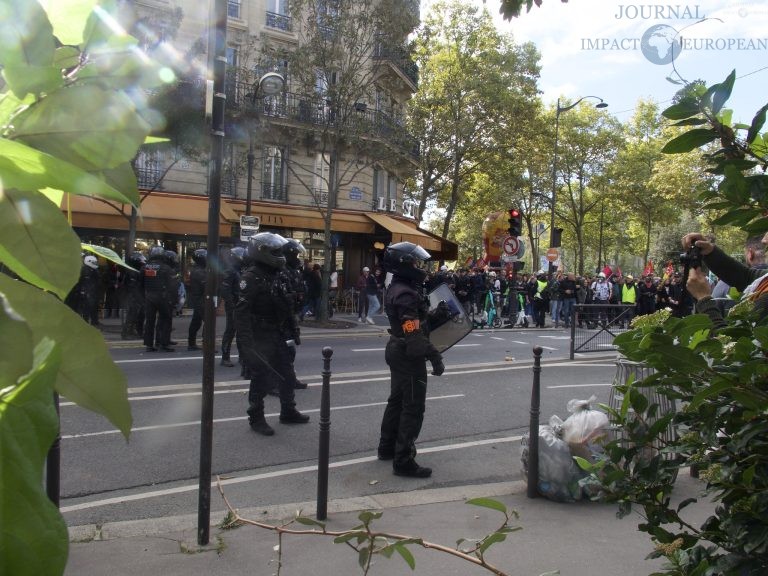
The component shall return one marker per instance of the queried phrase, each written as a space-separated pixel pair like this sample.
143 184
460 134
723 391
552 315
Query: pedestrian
406 354
196 295
372 294
157 282
264 320
629 295
537 292
88 290
133 297
294 252
380 278
362 294
230 294
555 304
601 296
646 295
567 289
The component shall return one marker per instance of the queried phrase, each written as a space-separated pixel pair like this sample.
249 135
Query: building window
149 166
233 8
277 15
322 177
273 177
229 171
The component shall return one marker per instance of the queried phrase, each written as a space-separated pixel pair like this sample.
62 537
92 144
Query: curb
282 512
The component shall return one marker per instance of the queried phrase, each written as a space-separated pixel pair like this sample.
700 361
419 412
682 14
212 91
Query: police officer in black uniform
295 252
406 354
158 283
263 318
196 295
230 293
133 297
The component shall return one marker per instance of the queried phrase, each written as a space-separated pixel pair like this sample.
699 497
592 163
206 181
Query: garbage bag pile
582 434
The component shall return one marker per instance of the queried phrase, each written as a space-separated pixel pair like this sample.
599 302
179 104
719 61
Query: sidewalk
579 539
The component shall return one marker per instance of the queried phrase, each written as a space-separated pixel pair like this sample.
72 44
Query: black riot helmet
406 260
156 252
267 248
136 260
237 255
294 252
200 256
171 258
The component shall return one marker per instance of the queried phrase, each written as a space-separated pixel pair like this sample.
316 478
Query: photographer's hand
698 285
701 242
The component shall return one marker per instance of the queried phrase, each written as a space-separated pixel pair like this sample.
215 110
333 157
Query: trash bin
627 370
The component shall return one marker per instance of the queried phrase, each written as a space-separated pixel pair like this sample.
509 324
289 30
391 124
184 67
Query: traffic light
515 223
557 235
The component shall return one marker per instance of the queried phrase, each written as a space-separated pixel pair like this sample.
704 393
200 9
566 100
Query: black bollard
53 464
325 437
533 431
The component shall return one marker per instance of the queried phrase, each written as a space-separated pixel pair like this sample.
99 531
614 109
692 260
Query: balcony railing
399 58
274 192
279 21
319 112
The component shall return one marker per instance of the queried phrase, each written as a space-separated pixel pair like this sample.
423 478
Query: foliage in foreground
72 117
717 379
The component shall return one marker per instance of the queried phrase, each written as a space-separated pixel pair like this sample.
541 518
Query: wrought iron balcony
313 111
279 21
274 192
398 57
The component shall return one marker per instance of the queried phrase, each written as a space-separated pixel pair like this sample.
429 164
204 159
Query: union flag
648 268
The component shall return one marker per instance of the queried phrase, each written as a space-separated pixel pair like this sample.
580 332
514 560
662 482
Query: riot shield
448 322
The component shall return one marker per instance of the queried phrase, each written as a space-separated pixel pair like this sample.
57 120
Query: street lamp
560 109
269 84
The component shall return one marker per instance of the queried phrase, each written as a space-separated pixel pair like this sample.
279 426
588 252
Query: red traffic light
514 213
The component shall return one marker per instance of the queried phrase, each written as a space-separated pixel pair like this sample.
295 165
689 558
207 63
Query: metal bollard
325 437
533 430
53 463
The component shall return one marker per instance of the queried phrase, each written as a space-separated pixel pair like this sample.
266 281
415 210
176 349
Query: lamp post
269 84
559 110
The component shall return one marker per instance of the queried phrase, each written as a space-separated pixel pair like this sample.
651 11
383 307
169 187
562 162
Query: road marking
578 385
236 418
275 474
383 349
495 338
164 358
556 337
548 348
519 342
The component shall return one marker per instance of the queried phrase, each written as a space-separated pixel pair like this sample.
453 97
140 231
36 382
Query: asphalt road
476 413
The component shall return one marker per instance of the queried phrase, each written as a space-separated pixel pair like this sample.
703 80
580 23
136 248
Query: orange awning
406 232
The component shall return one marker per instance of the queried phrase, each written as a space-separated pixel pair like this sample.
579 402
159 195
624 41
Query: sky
596 47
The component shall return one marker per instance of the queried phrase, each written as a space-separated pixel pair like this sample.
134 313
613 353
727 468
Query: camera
691 258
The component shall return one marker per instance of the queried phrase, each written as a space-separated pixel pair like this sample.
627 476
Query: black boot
293 416
256 419
225 361
412 470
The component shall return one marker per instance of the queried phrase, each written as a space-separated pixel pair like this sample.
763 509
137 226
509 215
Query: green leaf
346 537
91 380
37 243
26 35
16 344
490 540
33 533
757 124
691 122
66 57
123 179
684 109
363 554
406 555
367 515
689 141
24 79
722 92
310 522
488 503
88 126
26 168
68 17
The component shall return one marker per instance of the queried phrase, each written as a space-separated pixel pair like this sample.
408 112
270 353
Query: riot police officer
196 295
160 291
263 318
406 354
230 293
295 252
133 297
89 287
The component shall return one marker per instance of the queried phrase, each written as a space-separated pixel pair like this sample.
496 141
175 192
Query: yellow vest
628 296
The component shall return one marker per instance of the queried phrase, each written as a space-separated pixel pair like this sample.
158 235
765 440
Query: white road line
235 418
275 474
579 385
518 342
556 337
497 338
549 348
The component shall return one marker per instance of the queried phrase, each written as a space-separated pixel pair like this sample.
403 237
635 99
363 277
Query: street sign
249 225
508 258
510 245
553 254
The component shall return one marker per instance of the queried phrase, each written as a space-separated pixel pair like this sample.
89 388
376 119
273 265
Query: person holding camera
752 282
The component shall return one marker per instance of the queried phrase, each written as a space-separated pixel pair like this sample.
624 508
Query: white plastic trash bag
558 474
585 429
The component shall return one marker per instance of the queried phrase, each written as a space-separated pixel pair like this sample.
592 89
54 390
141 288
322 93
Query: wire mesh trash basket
636 372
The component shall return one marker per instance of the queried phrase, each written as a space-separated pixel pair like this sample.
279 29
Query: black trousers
157 310
404 414
229 330
270 364
195 323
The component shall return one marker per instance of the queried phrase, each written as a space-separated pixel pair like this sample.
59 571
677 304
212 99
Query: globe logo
660 44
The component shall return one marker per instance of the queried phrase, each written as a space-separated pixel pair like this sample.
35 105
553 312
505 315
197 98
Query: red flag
669 270
480 263
618 272
607 271
468 262
648 268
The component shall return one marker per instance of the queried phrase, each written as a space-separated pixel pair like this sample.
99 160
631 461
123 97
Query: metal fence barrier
594 326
